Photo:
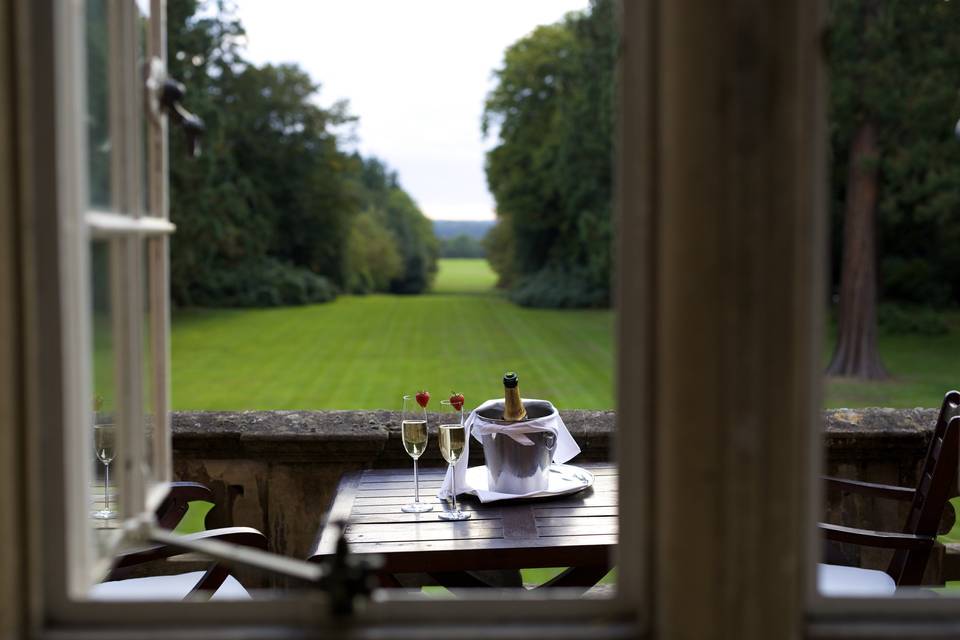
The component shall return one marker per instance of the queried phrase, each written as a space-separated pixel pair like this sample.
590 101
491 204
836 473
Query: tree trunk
856 353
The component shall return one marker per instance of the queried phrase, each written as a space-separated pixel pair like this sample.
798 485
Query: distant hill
445 229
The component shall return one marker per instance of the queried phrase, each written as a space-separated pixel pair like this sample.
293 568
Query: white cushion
839 581
175 587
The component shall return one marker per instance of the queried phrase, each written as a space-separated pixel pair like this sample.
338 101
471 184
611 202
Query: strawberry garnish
456 400
423 397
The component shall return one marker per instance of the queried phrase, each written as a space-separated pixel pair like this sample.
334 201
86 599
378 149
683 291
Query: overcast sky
415 72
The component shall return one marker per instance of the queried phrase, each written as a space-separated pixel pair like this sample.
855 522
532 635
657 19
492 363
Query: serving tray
563 479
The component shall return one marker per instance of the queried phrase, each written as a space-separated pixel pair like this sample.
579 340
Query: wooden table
577 531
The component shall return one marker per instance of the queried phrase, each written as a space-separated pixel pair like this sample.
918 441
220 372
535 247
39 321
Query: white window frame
135 228
654 575
130 234
63 555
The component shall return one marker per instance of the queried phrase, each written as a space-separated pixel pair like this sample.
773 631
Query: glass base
416 507
454 515
104 514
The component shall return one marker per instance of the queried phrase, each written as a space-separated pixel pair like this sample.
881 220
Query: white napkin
477 426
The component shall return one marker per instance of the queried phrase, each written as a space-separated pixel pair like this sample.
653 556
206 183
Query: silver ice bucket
513 467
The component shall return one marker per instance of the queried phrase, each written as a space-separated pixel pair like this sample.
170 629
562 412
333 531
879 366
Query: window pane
99 140
103 437
280 207
143 65
150 401
894 331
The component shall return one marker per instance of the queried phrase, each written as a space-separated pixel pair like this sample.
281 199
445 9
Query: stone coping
335 435
374 435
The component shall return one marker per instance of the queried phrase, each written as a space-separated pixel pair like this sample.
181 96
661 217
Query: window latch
165 96
171 100
347 577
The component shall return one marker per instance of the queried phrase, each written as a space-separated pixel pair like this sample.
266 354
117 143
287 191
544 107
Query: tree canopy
900 70
551 171
277 210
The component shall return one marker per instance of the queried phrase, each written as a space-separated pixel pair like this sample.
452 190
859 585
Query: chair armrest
245 536
869 538
178 500
870 488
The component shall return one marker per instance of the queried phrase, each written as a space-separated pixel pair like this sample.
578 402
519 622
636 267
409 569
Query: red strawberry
456 400
423 397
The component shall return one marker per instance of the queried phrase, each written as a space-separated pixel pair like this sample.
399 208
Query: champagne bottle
513 410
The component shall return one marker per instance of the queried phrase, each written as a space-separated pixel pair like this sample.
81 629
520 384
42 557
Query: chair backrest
177 502
937 478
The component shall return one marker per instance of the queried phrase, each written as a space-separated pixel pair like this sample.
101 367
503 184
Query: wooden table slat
363 501
550 512
577 521
429 516
386 509
530 546
425 485
421 537
427 527
430 488
518 522
590 530
585 498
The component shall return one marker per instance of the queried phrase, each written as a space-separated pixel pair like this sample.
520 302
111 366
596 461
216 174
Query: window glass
103 451
894 326
99 138
310 273
144 109
148 366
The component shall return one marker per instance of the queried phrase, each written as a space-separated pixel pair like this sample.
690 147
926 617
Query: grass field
464 276
922 369
364 352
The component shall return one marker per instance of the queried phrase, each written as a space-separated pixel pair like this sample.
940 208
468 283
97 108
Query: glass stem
416 483
106 483
453 485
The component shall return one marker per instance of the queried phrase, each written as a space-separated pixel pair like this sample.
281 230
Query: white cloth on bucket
477 426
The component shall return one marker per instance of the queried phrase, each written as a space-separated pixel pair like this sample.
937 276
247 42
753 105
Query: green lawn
466 275
365 352
922 369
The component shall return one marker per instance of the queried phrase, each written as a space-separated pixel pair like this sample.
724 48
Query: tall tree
896 166
551 170
856 352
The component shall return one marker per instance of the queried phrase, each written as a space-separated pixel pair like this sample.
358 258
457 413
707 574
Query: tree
896 166
373 260
551 172
275 211
379 188
856 352
461 246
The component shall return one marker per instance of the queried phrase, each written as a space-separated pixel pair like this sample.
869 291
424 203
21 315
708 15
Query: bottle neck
513 409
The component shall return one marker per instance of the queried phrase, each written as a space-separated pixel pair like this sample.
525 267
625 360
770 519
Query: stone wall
277 470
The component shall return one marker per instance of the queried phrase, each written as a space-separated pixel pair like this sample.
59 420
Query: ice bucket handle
551 441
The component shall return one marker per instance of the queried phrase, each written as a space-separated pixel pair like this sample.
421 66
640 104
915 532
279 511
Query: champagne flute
413 429
452 438
104 444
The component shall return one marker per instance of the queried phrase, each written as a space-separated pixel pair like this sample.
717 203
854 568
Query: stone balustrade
277 470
